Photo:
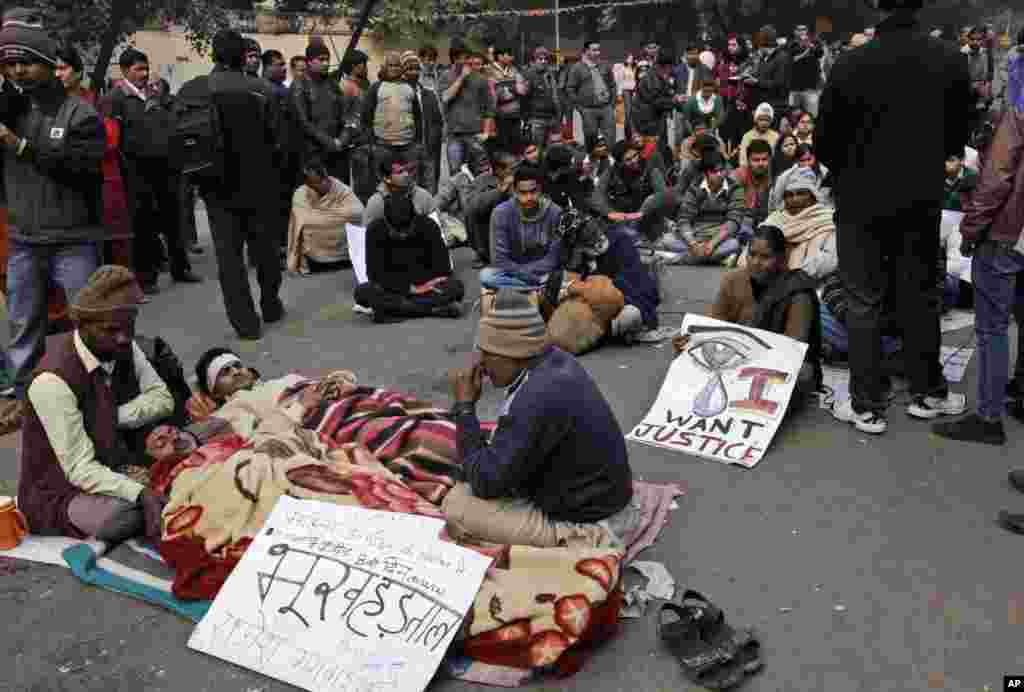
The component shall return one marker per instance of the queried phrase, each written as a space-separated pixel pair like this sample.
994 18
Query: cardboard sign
356 236
725 395
343 598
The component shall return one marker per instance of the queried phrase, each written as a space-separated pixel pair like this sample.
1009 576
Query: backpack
196 145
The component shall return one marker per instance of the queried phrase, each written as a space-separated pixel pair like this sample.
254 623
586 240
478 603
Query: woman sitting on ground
320 210
766 295
806 159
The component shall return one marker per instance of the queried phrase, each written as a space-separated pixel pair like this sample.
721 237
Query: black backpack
197 145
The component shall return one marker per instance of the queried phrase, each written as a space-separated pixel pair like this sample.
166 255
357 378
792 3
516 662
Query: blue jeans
996 289
729 247
458 149
835 335
497 278
29 270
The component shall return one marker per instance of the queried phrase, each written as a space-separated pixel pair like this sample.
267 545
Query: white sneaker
929 407
361 309
868 421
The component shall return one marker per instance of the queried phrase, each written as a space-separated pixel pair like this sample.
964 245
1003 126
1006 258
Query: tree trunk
118 15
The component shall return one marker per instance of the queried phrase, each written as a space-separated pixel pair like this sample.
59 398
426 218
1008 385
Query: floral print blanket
332 440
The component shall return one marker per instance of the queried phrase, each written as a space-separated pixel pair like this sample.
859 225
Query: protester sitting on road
408 269
686 171
764 115
961 182
804 131
563 181
320 211
556 470
633 193
807 225
70 481
756 180
805 159
397 176
710 217
525 247
701 140
766 295
487 191
784 156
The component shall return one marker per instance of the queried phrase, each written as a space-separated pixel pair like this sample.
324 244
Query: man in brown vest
71 451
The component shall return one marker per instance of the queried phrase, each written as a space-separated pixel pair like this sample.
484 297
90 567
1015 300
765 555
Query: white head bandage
216 367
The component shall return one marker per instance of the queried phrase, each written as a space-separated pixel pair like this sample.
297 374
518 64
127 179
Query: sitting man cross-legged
71 452
524 242
710 217
556 471
766 295
408 270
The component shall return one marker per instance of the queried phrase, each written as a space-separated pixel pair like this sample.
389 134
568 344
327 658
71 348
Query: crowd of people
748 157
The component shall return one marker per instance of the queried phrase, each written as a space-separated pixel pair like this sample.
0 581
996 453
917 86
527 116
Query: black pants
232 230
364 177
509 135
891 264
154 205
386 302
187 195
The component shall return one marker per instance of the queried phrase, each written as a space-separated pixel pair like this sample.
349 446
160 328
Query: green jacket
958 193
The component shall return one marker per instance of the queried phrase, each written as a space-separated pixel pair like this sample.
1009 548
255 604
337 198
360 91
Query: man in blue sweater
556 471
524 245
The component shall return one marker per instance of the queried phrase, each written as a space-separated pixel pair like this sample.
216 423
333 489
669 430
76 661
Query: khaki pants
517 521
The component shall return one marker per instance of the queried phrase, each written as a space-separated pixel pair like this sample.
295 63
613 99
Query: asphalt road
866 564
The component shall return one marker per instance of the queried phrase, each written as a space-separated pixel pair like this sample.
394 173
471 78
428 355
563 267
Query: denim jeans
29 271
728 247
994 272
494 279
836 337
806 100
458 149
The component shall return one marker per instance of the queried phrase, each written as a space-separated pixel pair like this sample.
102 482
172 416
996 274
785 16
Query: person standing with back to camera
888 216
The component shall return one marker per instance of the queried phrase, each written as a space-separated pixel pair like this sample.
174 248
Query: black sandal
711 653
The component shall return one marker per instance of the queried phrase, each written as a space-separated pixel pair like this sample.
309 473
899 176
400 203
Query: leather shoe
1017 479
1011 522
188 277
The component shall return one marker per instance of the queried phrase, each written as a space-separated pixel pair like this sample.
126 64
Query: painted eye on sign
725 395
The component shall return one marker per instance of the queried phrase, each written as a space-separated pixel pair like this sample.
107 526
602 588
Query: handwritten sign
725 395
343 598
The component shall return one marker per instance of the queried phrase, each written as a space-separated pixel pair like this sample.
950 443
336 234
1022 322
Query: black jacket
653 101
774 76
806 66
432 118
321 112
146 125
542 101
249 121
904 95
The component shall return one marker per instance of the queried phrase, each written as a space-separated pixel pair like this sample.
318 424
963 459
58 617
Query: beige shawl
317 227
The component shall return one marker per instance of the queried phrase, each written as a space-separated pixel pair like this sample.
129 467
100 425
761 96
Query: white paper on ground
357 250
957 319
45 549
660 583
343 598
955 360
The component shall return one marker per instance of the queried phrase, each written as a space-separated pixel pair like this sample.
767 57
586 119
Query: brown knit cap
111 289
512 326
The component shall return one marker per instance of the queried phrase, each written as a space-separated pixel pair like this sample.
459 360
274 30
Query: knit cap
111 289
802 179
512 327
23 37
410 57
765 109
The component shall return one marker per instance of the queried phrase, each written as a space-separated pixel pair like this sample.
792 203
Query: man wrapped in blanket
556 471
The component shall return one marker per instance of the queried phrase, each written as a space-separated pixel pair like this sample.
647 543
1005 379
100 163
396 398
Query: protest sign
725 395
343 598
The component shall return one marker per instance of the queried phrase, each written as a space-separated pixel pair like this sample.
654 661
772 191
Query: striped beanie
512 327
410 57
23 38
111 289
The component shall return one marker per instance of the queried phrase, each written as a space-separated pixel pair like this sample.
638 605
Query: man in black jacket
887 216
242 200
543 106
771 80
322 112
151 184
807 53
654 101
432 123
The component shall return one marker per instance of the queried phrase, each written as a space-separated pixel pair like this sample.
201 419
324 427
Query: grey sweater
464 114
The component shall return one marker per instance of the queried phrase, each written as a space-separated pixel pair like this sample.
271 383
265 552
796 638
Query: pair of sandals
712 654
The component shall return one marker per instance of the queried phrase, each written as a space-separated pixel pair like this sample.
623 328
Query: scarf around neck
542 207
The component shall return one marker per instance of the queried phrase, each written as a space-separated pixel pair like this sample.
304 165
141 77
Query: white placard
356 236
343 598
725 395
